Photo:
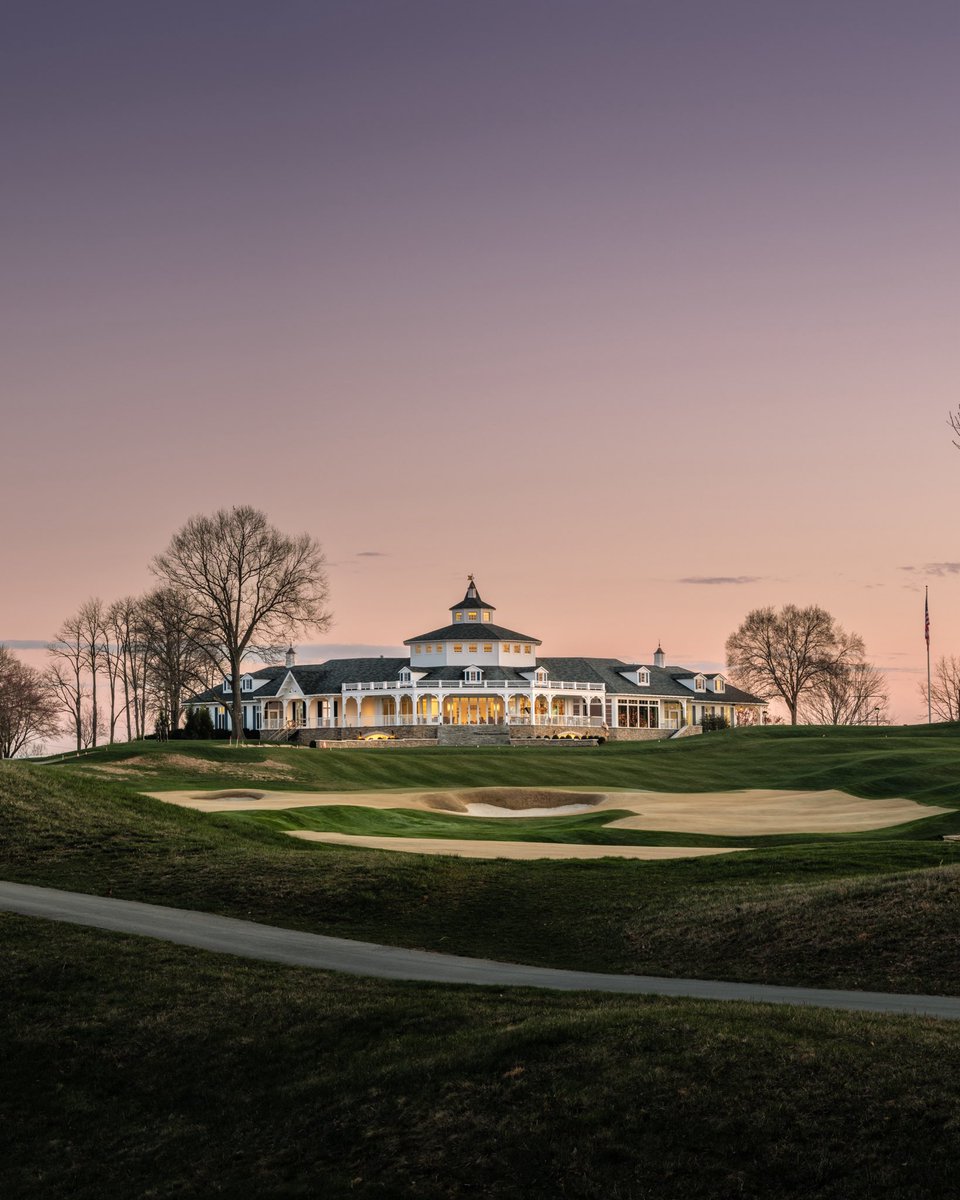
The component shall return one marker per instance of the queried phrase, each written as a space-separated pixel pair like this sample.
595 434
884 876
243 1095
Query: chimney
659 658
291 656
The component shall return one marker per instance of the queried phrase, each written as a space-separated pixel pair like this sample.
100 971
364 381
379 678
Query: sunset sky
645 313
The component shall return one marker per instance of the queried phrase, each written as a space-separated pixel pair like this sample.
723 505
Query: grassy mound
132 1068
780 914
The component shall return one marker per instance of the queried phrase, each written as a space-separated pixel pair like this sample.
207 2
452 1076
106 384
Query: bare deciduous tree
29 711
789 653
178 664
94 635
66 675
854 694
91 726
953 420
78 650
944 689
247 586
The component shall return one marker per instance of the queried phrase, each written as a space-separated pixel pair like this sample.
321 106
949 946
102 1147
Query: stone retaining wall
618 734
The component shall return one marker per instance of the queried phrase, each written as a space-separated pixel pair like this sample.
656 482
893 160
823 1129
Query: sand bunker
235 795
464 848
737 814
505 801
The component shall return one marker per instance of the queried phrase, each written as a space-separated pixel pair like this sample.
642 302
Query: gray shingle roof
469 632
495 672
328 678
664 681
472 601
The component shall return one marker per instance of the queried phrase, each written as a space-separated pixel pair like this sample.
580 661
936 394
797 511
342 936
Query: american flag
926 617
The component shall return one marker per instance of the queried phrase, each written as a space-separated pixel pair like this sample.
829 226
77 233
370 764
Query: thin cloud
372 554
938 569
712 580
23 644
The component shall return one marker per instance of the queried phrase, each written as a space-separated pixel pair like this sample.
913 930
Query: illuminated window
720 685
429 648
472 649
516 649
488 649
439 649
506 647
417 649
471 616
458 648
486 616
527 649
458 616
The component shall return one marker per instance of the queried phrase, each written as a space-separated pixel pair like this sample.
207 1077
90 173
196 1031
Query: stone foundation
618 734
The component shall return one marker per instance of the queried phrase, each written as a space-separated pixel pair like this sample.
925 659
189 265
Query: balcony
492 685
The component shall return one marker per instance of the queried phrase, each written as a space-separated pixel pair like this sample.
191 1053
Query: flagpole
926 633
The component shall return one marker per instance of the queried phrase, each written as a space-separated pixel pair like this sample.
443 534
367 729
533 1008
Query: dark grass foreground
134 1069
878 915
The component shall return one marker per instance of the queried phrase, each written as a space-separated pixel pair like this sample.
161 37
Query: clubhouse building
471 680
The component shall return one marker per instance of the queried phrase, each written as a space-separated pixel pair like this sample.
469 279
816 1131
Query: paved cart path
247 939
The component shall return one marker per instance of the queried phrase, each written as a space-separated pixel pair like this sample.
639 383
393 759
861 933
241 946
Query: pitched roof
328 678
469 632
664 681
495 672
472 598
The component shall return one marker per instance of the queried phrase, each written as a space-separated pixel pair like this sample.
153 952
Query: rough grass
867 913
137 1069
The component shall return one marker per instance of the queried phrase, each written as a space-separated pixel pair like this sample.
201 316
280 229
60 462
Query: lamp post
877 711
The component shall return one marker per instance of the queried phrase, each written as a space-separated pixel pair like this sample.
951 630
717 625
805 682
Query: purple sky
645 313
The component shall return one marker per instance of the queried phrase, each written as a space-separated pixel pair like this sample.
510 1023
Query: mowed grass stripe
918 762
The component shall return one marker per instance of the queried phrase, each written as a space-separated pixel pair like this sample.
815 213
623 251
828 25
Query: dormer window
700 683
473 675
246 684
719 684
405 675
541 675
643 677
227 686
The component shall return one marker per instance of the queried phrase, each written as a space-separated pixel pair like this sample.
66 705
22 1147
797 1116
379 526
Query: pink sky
597 302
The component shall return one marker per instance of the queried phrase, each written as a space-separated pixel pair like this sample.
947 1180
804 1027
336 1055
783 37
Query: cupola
471 608
291 656
659 658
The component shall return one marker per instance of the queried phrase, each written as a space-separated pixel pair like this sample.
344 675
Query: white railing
591 722
493 685
378 722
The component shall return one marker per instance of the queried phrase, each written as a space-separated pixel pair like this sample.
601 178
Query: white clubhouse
473 675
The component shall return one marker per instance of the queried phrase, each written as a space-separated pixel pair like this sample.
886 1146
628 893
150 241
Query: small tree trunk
237 708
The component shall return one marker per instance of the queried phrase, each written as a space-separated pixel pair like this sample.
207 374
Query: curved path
226 935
